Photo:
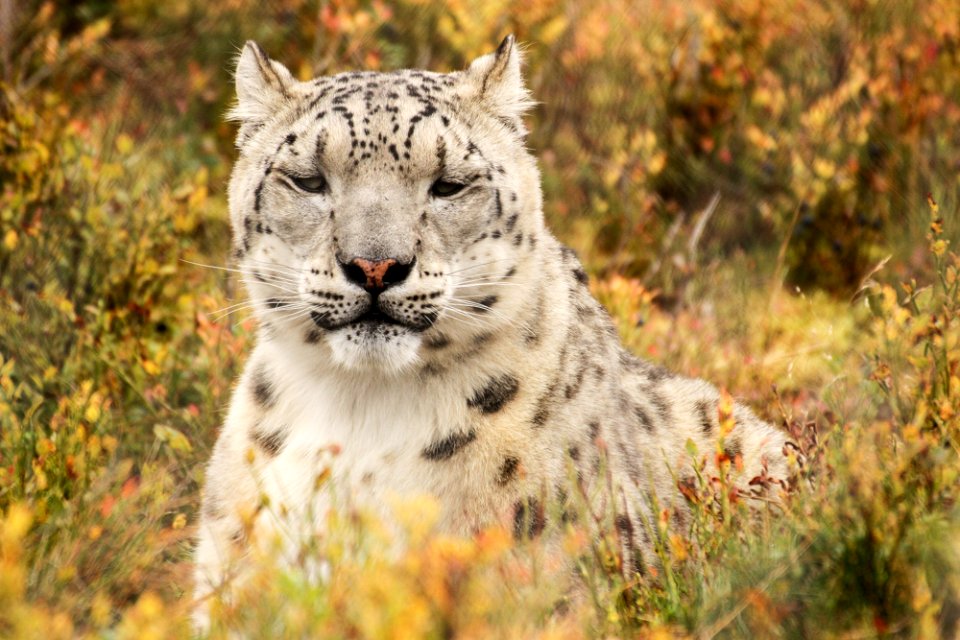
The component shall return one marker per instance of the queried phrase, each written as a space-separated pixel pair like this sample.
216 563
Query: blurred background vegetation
747 182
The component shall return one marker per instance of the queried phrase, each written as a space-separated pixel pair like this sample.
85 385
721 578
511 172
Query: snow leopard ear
496 82
262 84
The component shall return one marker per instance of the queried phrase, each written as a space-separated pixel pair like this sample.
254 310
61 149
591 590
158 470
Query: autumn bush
748 185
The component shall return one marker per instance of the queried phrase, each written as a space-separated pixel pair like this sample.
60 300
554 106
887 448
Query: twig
699 227
665 246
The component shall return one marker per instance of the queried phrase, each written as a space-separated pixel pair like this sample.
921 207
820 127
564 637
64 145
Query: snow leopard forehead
381 115
406 123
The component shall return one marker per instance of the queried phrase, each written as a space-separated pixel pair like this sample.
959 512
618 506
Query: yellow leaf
101 609
10 240
95 31
124 144
198 198
657 163
678 545
14 525
725 411
824 169
172 437
92 414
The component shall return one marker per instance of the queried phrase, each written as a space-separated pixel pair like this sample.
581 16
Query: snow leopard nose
376 275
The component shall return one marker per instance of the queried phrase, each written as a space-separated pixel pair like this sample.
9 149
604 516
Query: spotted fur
475 367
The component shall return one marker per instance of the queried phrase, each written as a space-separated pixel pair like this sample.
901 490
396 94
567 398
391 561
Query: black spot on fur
438 341
432 369
262 388
567 513
495 394
581 276
449 446
258 196
269 442
291 138
593 429
312 336
508 470
529 518
544 405
643 418
658 373
732 447
632 555
483 338
485 303
706 419
542 414
663 406
573 388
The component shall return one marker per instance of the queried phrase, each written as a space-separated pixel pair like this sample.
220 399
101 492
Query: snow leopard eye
444 189
311 184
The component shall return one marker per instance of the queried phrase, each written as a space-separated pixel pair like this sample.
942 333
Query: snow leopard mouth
373 317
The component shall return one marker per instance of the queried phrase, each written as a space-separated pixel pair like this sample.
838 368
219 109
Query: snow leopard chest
344 441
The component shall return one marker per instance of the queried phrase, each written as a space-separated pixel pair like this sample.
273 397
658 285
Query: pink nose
374 270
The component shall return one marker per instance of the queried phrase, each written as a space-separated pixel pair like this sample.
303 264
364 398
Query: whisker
276 266
478 266
233 270
469 304
477 320
467 285
278 276
211 266
250 301
263 305
269 277
264 262
233 307
463 316
269 283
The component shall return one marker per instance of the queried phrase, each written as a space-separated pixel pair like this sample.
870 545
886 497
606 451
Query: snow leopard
421 331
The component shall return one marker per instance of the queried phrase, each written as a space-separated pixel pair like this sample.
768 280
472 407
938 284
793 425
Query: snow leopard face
379 215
